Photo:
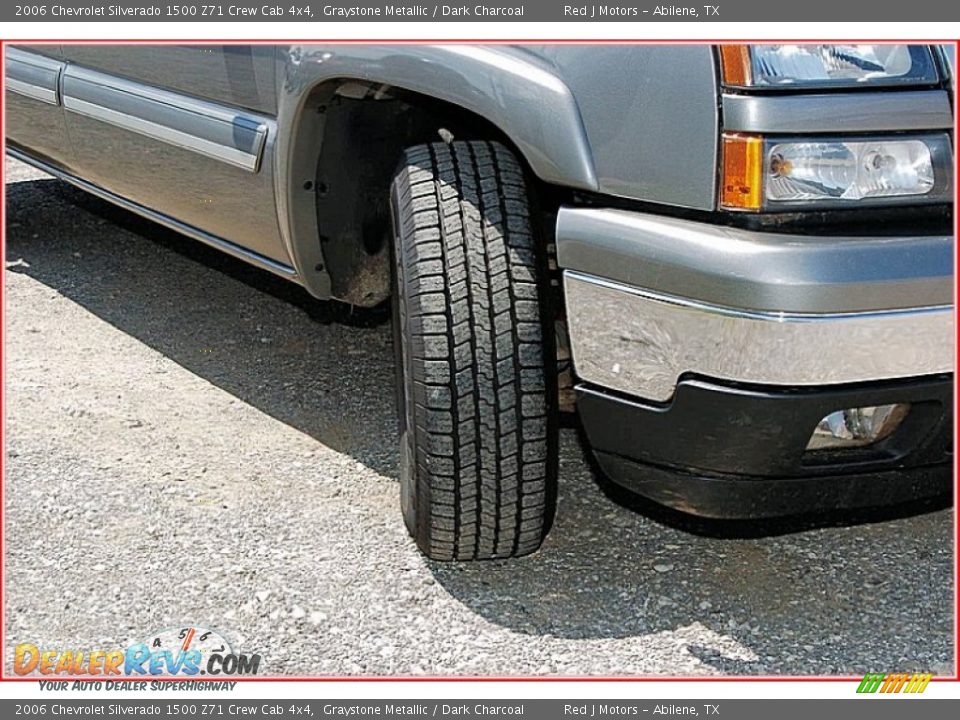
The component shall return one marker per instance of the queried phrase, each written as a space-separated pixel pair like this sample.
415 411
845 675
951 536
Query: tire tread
472 280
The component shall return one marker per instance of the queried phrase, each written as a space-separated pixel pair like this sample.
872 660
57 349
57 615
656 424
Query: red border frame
448 678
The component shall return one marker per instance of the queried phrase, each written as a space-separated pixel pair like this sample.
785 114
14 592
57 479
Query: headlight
782 174
821 66
847 170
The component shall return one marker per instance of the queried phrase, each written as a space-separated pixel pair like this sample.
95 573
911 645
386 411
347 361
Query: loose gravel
193 441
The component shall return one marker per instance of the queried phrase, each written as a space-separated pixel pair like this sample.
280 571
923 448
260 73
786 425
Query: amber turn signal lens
735 65
741 181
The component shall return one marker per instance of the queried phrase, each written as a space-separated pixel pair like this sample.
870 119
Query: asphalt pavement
192 441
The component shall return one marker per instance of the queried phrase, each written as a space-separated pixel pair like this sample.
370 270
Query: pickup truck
745 251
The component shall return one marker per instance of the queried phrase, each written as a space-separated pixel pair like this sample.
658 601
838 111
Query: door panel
203 163
35 118
230 136
242 76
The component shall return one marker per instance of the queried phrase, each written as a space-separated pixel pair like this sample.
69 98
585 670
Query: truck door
35 120
186 131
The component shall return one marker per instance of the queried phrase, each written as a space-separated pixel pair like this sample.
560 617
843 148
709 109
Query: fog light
857 427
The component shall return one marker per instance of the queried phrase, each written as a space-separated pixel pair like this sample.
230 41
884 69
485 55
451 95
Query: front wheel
476 400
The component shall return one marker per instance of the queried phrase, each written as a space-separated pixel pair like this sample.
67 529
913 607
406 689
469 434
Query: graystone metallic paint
648 141
31 121
243 76
602 119
513 89
757 271
510 88
33 76
237 138
826 113
220 199
158 217
210 198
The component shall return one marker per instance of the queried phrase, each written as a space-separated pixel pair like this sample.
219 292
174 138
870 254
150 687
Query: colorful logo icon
894 683
184 651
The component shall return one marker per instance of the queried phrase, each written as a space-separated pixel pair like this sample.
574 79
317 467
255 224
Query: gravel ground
193 441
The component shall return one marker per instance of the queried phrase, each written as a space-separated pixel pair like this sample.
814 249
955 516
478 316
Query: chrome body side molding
231 136
33 76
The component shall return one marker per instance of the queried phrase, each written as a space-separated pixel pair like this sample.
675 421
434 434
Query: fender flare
519 94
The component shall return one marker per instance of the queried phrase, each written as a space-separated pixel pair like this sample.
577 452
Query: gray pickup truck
745 250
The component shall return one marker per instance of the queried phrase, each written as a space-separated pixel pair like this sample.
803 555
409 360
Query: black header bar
310 11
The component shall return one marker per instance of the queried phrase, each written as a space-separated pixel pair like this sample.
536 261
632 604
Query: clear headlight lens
785 173
817 66
848 170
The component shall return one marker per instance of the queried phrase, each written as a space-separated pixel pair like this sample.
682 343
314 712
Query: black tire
477 404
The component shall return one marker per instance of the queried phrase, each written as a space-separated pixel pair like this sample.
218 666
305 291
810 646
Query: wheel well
365 128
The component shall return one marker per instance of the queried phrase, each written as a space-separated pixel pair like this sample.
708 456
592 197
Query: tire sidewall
404 378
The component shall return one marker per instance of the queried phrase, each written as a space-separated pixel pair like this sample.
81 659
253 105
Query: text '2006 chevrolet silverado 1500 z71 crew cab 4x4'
746 250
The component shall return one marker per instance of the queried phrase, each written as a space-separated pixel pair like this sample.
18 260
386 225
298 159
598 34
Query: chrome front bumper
749 307
641 343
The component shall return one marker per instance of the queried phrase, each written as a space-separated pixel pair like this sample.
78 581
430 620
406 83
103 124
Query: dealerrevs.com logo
185 651
895 683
